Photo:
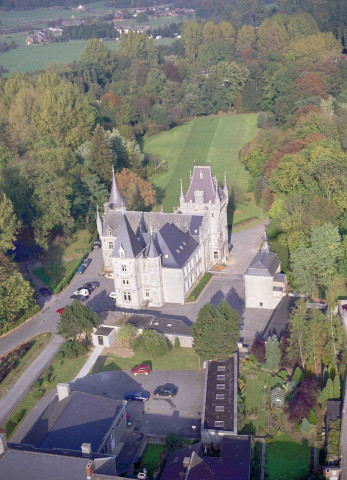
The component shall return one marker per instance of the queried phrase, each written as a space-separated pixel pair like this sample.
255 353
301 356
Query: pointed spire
126 240
151 250
265 247
98 221
225 188
181 194
116 200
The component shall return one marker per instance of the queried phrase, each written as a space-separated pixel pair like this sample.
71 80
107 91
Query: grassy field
176 359
217 139
287 460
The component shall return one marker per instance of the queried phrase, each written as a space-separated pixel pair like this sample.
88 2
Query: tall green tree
273 353
216 331
77 320
100 157
9 224
298 347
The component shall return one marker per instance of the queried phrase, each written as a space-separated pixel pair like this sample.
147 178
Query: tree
151 343
9 224
100 157
298 375
304 400
126 335
317 338
245 38
233 79
330 389
77 320
216 331
16 293
258 350
191 38
298 348
337 387
272 353
137 192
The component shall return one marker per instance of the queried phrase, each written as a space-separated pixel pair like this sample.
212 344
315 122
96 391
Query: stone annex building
158 257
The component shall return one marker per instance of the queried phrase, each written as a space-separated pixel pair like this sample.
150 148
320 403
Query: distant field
29 58
216 139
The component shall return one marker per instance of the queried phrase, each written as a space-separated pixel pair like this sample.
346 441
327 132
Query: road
223 285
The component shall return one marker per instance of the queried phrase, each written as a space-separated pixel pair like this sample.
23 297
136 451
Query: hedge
199 288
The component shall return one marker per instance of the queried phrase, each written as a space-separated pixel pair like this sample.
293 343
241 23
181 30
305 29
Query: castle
158 257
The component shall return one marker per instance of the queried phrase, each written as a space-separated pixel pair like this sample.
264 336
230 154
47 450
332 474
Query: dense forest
61 130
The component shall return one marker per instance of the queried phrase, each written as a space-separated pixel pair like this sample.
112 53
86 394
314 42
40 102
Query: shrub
312 418
73 349
298 375
127 335
304 426
39 393
18 416
177 343
151 343
283 374
258 350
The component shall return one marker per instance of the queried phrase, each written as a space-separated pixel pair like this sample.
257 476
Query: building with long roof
158 257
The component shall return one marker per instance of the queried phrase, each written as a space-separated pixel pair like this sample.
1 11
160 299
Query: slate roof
233 463
151 250
220 372
25 465
126 239
79 418
104 331
334 410
176 246
145 221
203 181
263 264
165 326
116 199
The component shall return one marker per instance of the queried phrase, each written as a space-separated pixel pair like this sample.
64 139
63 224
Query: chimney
186 462
3 442
63 390
86 448
90 468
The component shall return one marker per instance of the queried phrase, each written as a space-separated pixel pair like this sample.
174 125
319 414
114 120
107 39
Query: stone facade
264 284
158 257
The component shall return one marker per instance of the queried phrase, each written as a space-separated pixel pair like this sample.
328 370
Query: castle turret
116 200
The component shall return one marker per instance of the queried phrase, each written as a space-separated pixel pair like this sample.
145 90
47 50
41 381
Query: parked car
86 262
140 396
142 369
97 243
344 306
109 275
60 310
167 390
91 285
45 292
81 269
112 295
82 291
81 298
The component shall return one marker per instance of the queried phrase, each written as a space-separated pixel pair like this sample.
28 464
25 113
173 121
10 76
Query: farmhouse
158 257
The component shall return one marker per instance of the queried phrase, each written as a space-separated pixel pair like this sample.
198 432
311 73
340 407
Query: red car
344 306
141 369
60 310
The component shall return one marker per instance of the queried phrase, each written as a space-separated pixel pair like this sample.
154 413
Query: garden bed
194 294
151 458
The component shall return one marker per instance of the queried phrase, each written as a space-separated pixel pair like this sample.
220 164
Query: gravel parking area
158 416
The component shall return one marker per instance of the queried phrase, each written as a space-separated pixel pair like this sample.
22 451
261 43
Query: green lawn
254 399
151 457
287 460
63 370
217 139
54 273
176 359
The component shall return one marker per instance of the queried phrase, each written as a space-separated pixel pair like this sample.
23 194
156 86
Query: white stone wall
259 292
127 282
152 282
173 285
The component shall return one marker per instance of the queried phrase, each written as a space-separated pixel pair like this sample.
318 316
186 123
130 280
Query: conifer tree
337 387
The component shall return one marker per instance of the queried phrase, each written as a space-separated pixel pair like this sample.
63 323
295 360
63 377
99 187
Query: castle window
201 175
147 293
109 231
125 281
110 245
215 255
124 268
127 296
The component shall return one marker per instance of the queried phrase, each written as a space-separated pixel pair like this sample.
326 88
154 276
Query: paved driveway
158 416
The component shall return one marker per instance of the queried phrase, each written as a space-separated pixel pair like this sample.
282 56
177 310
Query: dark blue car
140 396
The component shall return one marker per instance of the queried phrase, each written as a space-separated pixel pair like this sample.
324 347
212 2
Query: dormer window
121 252
109 231
201 175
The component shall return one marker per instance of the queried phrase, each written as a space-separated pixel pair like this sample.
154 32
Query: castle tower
151 274
116 200
204 195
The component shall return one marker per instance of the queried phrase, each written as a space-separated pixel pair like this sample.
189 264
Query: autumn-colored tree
312 83
137 192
